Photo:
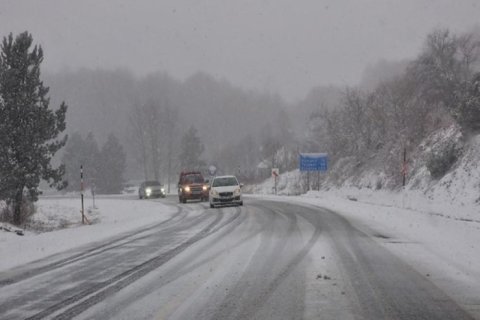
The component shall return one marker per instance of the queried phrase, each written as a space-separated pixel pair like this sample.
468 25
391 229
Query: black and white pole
81 192
404 167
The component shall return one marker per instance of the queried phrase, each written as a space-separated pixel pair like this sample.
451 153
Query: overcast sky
284 46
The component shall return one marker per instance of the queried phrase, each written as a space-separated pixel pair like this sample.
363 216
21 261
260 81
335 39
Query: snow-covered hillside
455 194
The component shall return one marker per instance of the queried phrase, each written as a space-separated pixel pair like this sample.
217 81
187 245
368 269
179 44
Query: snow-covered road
266 260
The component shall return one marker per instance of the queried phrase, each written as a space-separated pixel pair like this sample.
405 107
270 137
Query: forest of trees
151 115
396 106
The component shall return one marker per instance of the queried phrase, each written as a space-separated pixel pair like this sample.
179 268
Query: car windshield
152 184
193 178
224 182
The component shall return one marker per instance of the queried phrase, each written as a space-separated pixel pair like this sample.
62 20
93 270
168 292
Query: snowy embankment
455 195
61 217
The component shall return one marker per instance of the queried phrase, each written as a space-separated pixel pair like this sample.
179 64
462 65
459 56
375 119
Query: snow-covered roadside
112 216
442 247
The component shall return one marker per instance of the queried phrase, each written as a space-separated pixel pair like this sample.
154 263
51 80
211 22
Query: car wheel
184 200
241 203
212 206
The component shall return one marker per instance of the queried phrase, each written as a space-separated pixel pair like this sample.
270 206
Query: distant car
192 186
225 190
151 189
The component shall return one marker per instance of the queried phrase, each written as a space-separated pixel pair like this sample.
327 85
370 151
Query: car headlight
205 188
162 190
214 193
237 192
187 189
148 191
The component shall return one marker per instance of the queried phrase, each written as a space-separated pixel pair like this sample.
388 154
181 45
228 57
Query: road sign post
275 174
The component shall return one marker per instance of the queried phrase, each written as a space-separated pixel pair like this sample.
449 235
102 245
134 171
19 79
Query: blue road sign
313 162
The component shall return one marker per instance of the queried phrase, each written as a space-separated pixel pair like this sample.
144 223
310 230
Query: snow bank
456 195
111 216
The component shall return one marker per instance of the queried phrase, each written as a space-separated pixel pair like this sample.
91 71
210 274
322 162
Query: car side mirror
207 181
241 185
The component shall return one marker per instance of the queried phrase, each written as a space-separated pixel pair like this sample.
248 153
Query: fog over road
265 260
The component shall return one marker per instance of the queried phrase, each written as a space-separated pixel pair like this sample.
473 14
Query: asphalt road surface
265 260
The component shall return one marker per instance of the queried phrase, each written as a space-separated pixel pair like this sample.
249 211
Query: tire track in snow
100 291
109 245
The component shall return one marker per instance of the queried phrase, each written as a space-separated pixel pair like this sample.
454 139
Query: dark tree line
151 114
103 167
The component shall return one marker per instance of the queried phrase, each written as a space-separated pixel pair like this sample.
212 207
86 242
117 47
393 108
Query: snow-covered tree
28 128
468 111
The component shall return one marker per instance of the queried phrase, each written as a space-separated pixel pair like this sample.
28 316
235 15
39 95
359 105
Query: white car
225 190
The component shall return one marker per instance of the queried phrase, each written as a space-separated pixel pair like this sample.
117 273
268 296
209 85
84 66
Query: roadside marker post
275 174
81 193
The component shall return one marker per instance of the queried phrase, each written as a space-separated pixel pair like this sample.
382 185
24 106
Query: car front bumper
158 194
226 200
194 195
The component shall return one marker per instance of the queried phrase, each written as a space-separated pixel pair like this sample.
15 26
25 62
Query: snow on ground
111 216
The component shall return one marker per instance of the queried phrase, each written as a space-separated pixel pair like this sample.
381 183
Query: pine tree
28 128
111 166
